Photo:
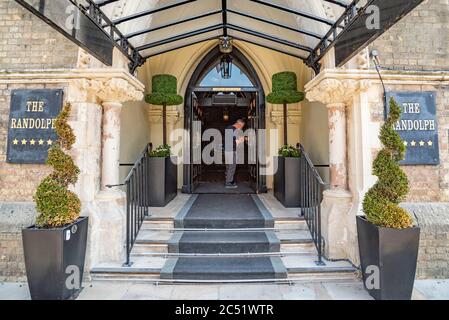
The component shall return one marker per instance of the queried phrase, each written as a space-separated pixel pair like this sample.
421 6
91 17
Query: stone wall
419 41
26 42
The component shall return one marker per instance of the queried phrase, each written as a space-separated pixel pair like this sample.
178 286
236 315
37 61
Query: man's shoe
232 185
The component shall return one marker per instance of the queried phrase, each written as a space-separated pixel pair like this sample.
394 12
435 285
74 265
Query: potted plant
286 186
164 93
54 248
162 177
285 91
162 174
388 239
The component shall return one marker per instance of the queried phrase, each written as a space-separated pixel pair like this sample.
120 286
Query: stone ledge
16 215
429 214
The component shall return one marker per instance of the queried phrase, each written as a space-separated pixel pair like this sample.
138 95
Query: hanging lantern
226 66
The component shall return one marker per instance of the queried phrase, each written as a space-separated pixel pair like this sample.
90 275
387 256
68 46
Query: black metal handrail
136 200
311 196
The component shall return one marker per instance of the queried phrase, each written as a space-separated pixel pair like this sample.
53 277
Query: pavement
114 290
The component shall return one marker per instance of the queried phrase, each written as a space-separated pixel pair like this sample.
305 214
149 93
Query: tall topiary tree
57 205
285 91
164 93
381 203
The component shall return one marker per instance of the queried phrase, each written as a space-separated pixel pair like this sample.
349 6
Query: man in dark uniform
233 138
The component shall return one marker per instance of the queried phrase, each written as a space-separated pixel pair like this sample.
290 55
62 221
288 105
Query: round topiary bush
381 203
57 206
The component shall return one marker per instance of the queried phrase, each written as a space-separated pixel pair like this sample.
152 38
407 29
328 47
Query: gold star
421 143
413 143
32 142
41 142
430 143
15 141
24 142
49 142
405 143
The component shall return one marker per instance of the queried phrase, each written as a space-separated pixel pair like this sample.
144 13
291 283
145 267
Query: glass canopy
305 29
293 27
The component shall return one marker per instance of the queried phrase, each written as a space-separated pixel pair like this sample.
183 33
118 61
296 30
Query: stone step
168 224
162 248
223 242
285 235
224 268
298 268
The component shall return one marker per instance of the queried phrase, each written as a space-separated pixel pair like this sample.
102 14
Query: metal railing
311 196
136 184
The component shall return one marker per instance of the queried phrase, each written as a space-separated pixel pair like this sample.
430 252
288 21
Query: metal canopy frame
311 56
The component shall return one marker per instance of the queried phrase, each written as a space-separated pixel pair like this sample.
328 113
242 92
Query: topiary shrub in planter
55 247
162 177
388 241
285 91
286 187
164 93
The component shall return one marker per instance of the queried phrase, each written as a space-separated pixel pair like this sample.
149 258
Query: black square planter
394 253
54 260
286 186
162 181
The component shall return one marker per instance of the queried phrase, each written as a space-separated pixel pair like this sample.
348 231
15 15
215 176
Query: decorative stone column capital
332 91
111 89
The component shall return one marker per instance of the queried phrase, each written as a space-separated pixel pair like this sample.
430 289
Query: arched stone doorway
256 91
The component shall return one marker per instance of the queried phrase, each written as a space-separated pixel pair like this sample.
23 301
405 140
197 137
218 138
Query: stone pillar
337 146
107 213
110 144
337 222
113 94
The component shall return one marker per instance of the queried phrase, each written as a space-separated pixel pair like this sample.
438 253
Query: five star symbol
32 142
430 143
413 143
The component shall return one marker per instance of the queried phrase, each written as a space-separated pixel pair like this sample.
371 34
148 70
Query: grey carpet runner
224 211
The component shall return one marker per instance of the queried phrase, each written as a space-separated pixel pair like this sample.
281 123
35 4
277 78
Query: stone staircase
281 253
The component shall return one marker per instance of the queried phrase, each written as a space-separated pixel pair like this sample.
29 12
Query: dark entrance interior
213 102
218 110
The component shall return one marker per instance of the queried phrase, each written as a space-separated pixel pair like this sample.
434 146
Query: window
238 78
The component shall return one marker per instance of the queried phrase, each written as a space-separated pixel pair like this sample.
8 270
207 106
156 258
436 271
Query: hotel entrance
224 88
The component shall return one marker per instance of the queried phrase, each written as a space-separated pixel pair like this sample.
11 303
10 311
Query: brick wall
12 265
18 182
427 183
28 43
420 41
433 254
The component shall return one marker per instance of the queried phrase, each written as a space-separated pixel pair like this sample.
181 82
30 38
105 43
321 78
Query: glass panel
238 78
